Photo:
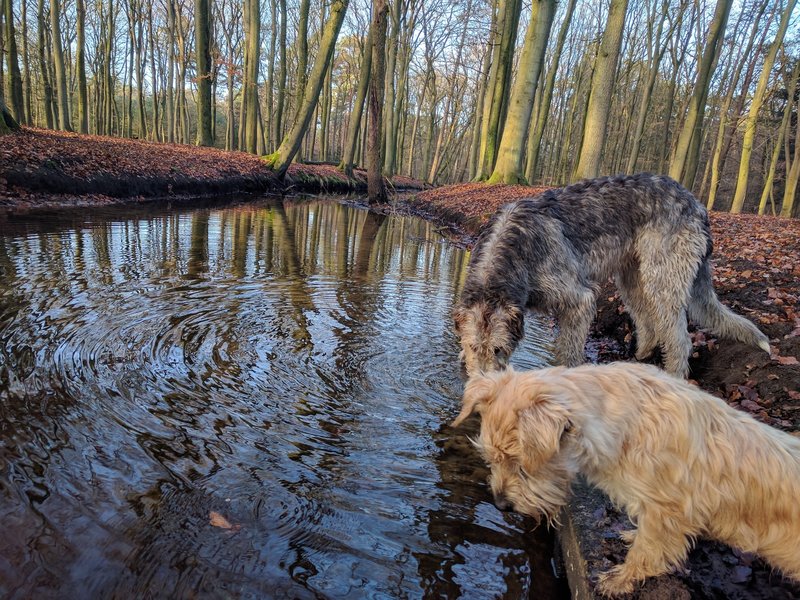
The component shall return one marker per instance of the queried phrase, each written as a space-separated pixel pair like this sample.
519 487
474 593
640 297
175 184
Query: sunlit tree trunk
790 190
249 118
717 159
61 70
512 145
791 89
154 79
683 166
543 114
755 107
602 87
28 80
302 58
170 93
496 103
282 158
80 66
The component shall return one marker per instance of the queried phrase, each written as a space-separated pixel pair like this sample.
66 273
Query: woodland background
445 91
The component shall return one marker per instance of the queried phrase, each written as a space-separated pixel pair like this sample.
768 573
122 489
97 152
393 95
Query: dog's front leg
573 323
652 552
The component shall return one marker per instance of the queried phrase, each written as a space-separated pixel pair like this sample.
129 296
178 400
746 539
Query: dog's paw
615 582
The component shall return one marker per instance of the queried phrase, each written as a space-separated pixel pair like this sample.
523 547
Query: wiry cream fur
682 463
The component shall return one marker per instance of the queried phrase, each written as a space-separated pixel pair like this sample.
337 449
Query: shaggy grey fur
550 253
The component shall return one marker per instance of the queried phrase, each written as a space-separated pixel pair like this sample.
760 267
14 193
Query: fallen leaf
217 520
787 360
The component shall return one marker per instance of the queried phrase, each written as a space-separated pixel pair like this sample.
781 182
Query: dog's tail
706 309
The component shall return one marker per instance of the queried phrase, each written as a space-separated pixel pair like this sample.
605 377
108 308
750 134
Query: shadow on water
243 401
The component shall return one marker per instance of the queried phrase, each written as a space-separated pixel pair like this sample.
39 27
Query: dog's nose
502 503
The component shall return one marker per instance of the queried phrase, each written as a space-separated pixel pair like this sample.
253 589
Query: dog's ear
541 427
478 392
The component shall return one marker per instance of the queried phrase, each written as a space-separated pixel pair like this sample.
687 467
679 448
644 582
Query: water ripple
286 365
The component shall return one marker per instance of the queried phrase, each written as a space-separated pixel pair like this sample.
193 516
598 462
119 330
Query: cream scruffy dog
682 463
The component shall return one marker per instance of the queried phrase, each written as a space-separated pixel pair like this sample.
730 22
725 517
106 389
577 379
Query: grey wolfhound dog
550 254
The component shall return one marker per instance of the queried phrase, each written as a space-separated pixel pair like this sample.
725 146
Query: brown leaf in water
217 520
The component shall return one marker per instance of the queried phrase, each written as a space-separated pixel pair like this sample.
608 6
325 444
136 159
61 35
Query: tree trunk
543 114
249 118
755 106
644 104
498 90
202 36
512 145
375 188
791 88
7 121
61 70
278 118
282 158
17 104
600 93
358 108
684 160
28 81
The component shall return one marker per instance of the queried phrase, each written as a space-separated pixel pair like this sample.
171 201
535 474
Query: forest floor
40 168
757 274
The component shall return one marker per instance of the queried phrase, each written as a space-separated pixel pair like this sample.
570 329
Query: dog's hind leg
654 549
635 301
669 263
574 320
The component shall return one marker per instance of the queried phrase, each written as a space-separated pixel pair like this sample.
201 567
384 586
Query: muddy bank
757 274
49 169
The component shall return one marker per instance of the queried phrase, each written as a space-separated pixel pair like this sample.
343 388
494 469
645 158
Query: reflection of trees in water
456 528
287 271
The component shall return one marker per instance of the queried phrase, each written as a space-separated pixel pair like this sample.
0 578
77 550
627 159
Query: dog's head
523 422
489 334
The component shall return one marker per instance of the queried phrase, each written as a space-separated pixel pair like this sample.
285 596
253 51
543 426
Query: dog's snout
502 503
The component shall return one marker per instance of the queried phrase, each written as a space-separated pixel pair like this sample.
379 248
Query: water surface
243 402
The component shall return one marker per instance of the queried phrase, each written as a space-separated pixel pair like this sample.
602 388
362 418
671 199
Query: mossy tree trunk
282 158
